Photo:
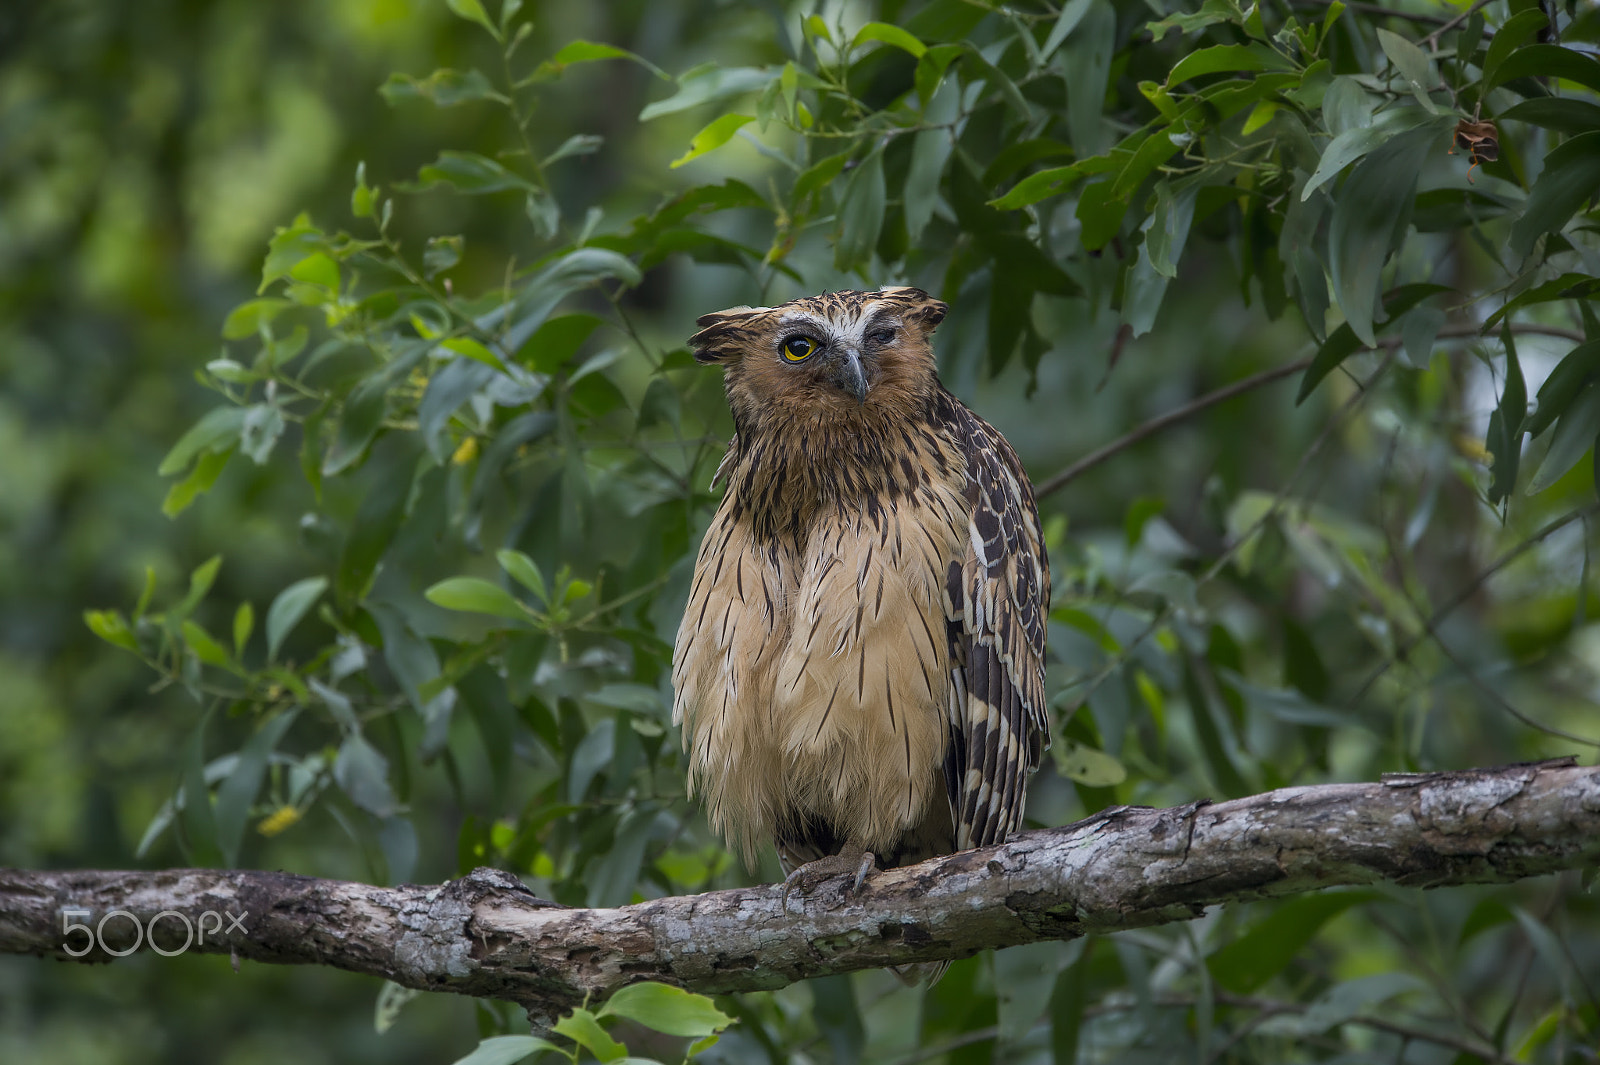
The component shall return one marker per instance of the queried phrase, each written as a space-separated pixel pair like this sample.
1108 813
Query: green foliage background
410 605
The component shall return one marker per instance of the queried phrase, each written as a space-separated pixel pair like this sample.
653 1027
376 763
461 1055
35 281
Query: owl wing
998 599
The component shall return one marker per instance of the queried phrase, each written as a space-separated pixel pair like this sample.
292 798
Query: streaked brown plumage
860 665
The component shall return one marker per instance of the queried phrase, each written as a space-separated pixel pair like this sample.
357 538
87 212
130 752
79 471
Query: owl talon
812 875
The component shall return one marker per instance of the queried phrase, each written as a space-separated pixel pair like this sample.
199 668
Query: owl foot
812 875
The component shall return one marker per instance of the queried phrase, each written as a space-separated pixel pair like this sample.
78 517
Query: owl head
838 353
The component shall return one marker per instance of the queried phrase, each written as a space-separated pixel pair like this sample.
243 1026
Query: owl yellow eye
798 349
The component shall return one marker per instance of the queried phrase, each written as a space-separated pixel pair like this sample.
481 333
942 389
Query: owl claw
812 875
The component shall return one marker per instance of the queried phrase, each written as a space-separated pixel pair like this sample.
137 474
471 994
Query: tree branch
1463 331
1126 867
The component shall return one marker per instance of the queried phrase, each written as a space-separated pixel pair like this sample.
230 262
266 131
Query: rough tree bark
1126 867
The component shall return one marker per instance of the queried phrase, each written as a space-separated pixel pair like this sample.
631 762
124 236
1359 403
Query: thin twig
1155 425
1161 617
1406 1031
1468 13
1265 1009
1502 702
1430 625
1254 381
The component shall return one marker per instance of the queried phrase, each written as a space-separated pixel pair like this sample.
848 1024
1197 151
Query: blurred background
147 153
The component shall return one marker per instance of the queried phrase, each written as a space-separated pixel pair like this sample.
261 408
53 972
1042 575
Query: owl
860 669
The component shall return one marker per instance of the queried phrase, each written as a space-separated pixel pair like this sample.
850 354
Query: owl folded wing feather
998 600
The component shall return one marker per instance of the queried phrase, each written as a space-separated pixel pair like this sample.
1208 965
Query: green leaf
930 151
244 622
1580 287
392 997
1357 142
1211 12
1210 723
1506 444
1571 176
667 1009
204 647
551 284
1414 66
817 176
712 137
708 83
1085 63
582 1028
469 174
1563 114
290 245
472 11
1166 230
1547 61
1087 766
1040 186
581 51
476 595
507 1050
978 65
1516 30
440 254
200 582
1343 342
860 213
838 1017
288 607
359 423
1215 60
577 144
524 571
442 88
251 316
111 627
931 69
556 341
1101 212
1150 153
238 791
1579 366
472 349
1418 333
610 880
195 815
1351 997
199 482
660 404
1573 437
363 198
1370 214
1263 951
889 34
216 431
1068 999
362 773
263 425
1067 20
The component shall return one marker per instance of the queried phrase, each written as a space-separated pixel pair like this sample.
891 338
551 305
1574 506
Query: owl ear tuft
922 309
723 334
930 314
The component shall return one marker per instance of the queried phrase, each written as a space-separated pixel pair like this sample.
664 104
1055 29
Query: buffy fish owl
860 669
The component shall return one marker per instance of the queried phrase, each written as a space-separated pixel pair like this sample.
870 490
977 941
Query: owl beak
848 374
